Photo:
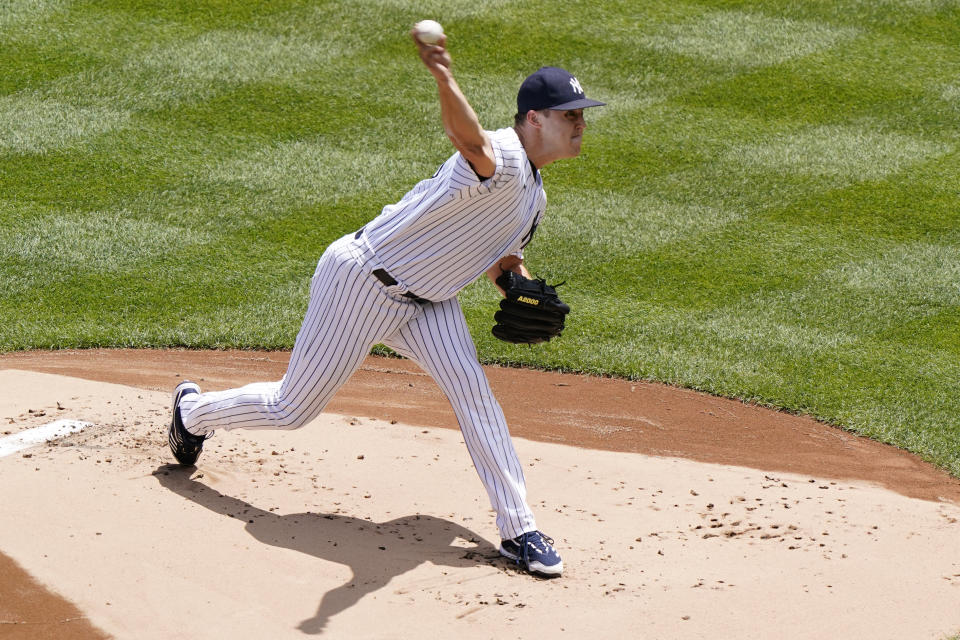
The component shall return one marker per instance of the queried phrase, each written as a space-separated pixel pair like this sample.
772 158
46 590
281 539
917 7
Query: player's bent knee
295 420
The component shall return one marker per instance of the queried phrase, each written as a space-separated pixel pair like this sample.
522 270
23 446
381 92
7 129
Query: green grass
767 209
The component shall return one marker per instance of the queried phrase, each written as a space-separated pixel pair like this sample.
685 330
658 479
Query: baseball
429 31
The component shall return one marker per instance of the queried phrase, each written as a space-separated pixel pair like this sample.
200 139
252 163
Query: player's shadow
376 552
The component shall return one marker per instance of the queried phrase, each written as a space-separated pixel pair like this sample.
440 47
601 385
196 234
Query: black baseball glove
530 313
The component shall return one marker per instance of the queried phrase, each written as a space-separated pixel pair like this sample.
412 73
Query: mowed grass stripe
843 153
193 70
95 240
743 40
951 93
37 125
914 273
629 223
309 171
20 13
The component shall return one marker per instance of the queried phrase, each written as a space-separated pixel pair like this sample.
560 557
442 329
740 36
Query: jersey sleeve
508 165
464 173
510 159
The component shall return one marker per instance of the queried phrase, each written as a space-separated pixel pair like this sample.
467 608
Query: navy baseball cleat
534 552
185 446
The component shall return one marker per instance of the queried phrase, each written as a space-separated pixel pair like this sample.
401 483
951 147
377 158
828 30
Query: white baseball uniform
373 286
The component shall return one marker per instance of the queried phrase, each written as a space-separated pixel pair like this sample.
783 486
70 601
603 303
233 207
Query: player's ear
533 118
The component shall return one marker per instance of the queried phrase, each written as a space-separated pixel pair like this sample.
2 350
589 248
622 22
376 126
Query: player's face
563 130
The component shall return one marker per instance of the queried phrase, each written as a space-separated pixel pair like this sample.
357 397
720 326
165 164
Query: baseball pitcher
395 281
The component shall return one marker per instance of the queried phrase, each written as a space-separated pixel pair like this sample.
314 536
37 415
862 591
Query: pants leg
438 340
349 312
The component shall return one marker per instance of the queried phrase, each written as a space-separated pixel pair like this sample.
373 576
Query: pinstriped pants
349 312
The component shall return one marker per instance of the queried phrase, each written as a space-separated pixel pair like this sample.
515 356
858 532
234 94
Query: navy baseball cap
552 88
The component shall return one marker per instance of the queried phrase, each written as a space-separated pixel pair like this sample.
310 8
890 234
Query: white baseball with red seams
428 31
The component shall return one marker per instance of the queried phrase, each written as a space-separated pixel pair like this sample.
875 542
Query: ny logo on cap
576 86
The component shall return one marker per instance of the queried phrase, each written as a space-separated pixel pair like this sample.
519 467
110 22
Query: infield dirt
679 515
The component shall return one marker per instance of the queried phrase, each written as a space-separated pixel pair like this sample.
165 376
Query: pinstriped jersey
449 229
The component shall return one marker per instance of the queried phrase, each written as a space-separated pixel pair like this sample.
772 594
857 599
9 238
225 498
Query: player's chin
575 147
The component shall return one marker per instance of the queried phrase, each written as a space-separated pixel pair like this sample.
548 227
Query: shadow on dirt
376 552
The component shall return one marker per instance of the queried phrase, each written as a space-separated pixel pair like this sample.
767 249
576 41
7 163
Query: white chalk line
38 435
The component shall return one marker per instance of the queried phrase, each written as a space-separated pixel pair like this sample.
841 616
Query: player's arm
507 263
459 119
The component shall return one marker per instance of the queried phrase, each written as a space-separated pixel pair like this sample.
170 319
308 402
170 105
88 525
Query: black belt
389 280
